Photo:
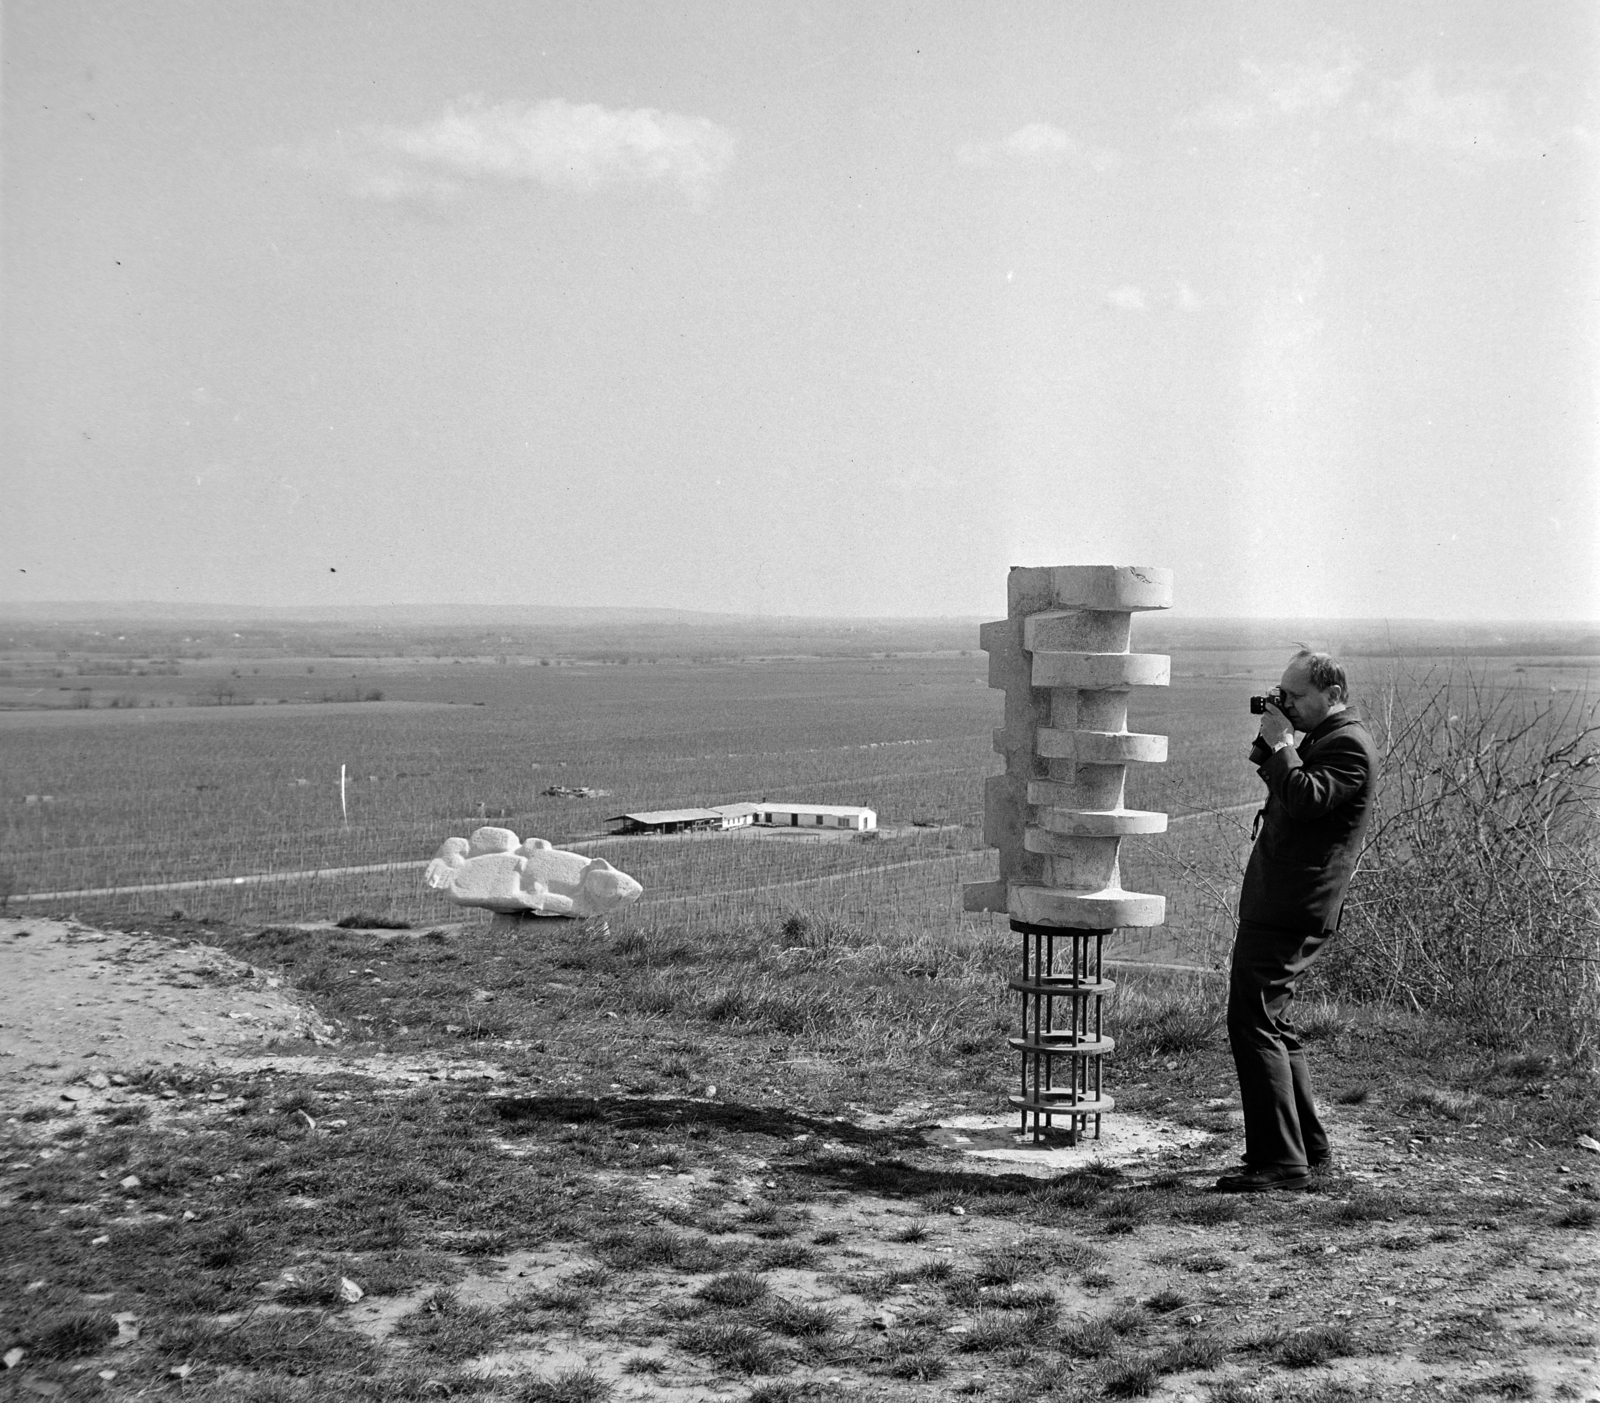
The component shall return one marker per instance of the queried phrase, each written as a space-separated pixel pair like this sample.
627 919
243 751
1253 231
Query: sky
835 309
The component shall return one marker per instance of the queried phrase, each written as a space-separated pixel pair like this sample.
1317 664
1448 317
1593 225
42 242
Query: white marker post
343 807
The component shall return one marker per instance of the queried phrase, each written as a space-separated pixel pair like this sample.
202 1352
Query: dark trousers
1281 1126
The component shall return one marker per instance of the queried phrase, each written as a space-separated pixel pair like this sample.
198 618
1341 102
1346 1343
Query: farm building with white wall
769 813
772 813
668 821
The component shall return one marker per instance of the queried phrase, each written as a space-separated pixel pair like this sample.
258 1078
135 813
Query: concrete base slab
1124 1139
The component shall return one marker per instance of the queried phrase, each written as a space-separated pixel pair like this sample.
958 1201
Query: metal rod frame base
1062 964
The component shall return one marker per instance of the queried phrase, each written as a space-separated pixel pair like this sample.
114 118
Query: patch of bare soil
80 1003
79 1000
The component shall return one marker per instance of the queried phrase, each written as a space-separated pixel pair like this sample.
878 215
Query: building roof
769 805
671 816
736 810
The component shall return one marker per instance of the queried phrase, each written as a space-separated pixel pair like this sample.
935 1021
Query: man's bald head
1314 689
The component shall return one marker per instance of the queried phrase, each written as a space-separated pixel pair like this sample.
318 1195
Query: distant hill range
565 629
1372 637
397 615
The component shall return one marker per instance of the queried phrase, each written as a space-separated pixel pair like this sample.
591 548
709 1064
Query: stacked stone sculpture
1056 814
496 870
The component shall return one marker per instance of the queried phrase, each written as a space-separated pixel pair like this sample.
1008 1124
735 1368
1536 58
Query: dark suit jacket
1319 802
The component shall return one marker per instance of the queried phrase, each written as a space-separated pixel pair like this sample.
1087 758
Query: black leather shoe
1255 1181
1320 1163
1316 1166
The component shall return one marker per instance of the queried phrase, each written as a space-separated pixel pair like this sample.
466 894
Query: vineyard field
129 795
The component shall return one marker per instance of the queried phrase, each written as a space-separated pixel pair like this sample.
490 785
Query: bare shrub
1478 893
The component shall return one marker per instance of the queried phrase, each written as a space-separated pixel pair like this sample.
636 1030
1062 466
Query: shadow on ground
634 1113
880 1170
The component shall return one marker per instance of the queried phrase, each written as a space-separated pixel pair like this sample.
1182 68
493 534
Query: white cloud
575 146
394 185
1471 122
1468 120
1128 298
1277 90
1038 144
1293 88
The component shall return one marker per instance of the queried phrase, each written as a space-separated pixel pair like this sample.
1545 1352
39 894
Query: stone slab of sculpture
1062 658
497 871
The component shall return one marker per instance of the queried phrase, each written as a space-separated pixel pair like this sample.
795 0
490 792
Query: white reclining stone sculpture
494 869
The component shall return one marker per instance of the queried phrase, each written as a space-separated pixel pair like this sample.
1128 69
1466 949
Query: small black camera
1258 705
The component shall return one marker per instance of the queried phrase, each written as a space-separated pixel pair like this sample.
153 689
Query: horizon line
15 608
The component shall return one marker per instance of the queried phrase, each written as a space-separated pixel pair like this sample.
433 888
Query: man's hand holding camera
1276 728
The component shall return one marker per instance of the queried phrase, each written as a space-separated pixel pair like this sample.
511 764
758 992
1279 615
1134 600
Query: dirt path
80 1000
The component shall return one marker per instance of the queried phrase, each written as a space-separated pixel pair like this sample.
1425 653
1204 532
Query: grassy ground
687 1161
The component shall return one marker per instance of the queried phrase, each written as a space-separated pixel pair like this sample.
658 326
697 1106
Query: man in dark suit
1319 801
